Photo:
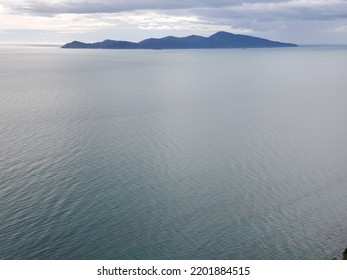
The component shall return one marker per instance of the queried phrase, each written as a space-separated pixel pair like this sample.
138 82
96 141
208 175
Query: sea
173 154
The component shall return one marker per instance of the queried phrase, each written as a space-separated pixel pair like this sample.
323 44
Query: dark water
190 154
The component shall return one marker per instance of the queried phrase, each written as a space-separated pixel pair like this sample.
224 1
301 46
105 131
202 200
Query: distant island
219 40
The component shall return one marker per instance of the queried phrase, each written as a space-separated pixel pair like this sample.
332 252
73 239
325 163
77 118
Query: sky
62 21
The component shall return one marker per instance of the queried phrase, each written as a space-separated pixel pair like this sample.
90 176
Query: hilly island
219 40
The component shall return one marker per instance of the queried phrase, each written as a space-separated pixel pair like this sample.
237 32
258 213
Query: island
219 40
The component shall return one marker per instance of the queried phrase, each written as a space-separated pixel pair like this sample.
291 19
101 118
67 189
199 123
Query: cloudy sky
60 21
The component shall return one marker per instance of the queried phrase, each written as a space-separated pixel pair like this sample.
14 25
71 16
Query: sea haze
175 154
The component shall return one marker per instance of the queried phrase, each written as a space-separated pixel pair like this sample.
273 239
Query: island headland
219 40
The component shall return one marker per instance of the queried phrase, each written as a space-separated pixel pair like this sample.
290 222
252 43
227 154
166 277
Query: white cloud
291 20
82 23
61 23
340 29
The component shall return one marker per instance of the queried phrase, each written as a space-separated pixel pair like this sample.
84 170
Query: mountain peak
221 34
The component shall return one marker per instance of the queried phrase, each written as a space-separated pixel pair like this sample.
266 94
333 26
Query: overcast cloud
298 21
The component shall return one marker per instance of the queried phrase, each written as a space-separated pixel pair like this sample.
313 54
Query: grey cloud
102 6
285 17
275 11
116 6
227 10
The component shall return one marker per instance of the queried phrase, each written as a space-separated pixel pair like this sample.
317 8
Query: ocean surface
173 154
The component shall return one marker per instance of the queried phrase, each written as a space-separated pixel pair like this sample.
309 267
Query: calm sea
180 154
